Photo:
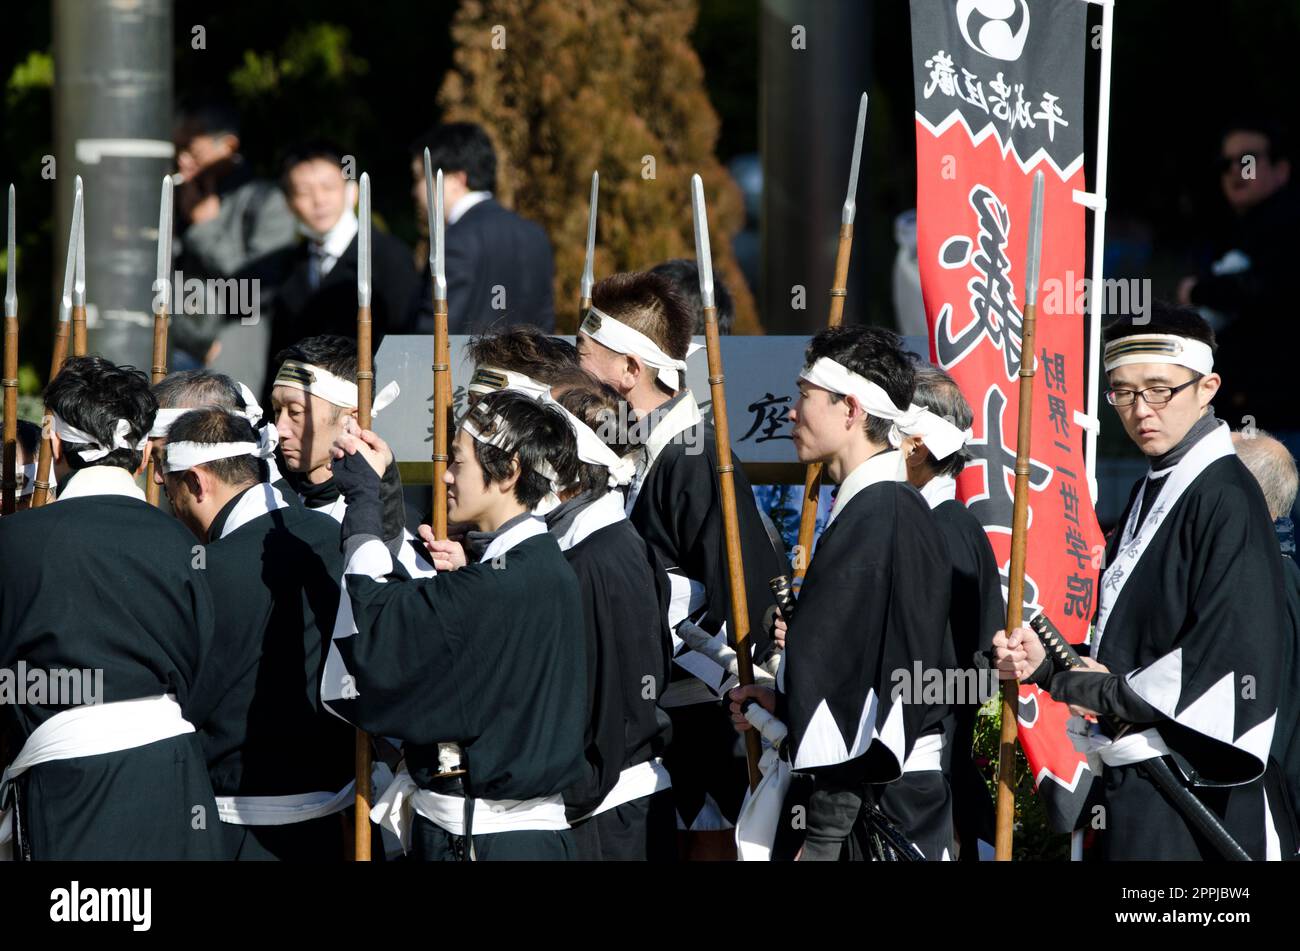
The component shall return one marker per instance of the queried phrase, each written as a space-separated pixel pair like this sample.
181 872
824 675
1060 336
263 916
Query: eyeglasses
1152 395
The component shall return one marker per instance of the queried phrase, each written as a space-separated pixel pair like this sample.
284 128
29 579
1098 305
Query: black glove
361 488
1107 694
393 508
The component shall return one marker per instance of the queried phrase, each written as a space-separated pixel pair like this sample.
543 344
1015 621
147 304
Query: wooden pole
162 301
9 380
441 345
365 399
812 484
726 470
1006 805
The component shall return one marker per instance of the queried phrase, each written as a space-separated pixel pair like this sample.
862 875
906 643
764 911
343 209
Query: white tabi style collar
101 480
261 499
1135 539
683 415
513 536
335 241
464 204
940 489
602 513
882 467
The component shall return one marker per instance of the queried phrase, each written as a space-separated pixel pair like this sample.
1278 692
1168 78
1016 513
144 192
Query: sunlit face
608 366
318 194
1249 174
308 426
469 498
821 426
1157 429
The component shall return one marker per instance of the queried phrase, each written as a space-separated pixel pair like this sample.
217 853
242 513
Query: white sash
286 810
926 755
91 731
635 782
394 811
1133 543
760 813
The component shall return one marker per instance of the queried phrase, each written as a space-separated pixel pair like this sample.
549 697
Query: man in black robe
621 809
314 394
280 763
481 672
977 610
874 603
109 591
636 338
1189 639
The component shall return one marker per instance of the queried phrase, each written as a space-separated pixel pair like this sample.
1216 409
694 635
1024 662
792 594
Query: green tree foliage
565 88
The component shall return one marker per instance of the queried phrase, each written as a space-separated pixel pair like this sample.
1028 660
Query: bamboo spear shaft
441 345
365 397
10 378
812 485
1006 809
45 459
726 471
162 292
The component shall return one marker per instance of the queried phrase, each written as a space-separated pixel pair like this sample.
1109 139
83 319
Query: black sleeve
1107 694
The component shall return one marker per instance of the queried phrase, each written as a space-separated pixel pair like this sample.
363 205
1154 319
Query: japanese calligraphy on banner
999 95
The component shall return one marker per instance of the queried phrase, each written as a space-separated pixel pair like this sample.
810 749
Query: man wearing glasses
1188 637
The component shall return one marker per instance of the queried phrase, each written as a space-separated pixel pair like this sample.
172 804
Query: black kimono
273 569
102 582
1191 627
978 611
874 602
676 506
490 657
625 605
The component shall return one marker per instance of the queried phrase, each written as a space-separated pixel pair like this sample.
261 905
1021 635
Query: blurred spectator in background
747 246
499 265
684 274
226 218
1248 286
317 277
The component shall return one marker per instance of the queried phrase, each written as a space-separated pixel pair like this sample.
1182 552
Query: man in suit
499 265
317 277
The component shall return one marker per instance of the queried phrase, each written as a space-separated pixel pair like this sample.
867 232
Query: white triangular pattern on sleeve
1160 684
1258 740
893 735
1214 712
822 743
866 726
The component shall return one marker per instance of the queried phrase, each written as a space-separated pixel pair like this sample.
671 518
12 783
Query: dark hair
1164 318
648 302
29 438
874 353
685 276
195 388
597 405
210 425
526 349
327 351
310 151
939 393
1279 146
208 115
540 435
461 147
92 394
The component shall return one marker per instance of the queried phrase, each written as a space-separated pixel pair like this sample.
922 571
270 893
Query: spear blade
589 265
703 256
363 244
162 285
79 282
70 268
851 199
1034 255
11 260
438 230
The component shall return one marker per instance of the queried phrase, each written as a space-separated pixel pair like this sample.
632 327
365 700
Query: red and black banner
999 95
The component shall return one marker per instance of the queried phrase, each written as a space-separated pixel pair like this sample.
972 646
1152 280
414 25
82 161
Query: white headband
162 423
121 432
941 437
1160 348
332 389
592 449
493 380
187 455
502 437
621 338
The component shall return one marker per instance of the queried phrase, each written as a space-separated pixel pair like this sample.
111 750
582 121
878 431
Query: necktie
314 258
